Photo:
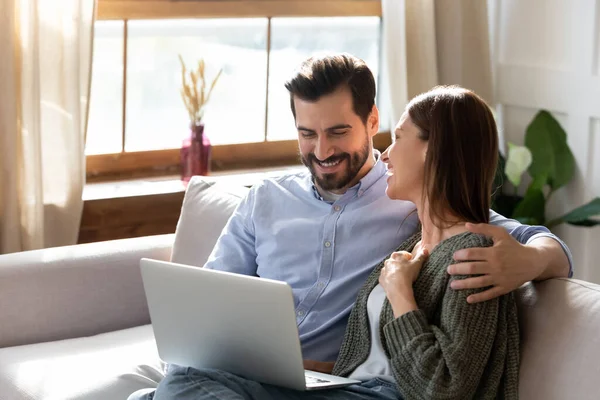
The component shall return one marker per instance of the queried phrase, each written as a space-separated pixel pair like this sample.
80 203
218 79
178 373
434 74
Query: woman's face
405 160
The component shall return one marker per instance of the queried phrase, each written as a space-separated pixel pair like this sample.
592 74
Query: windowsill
173 183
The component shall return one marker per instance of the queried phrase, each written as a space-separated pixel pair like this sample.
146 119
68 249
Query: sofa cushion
107 366
206 208
560 344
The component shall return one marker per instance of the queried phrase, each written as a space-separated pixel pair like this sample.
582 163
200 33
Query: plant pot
195 153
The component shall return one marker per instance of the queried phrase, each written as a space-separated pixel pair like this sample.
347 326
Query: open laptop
244 325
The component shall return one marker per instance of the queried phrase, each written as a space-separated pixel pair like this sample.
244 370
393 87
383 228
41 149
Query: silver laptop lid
211 319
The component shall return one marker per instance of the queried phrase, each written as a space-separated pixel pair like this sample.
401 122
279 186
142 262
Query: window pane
295 39
106 94
156 115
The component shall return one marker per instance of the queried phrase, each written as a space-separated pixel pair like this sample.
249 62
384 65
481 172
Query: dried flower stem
193 90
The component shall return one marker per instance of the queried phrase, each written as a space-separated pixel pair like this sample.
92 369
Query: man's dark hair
319 76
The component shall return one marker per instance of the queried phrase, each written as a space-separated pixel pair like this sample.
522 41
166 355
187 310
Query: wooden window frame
224 157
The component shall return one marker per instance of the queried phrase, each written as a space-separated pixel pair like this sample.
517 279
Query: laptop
240 324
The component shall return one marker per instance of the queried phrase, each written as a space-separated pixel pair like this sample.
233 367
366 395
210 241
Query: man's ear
373 121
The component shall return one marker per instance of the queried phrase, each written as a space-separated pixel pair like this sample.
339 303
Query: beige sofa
74 322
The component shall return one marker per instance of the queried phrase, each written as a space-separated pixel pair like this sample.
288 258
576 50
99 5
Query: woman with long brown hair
428 338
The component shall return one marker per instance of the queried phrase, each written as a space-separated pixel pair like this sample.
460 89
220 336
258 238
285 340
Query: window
294 39
235 113
137 119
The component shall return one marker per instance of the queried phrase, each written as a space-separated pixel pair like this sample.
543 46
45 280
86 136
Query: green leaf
532 206
518 160
586 223
538 183
551 154
579 216
528 221
505 204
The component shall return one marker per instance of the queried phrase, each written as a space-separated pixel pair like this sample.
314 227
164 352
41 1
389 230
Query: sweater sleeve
447 360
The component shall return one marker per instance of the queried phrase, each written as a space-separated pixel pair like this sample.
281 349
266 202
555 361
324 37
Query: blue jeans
210 384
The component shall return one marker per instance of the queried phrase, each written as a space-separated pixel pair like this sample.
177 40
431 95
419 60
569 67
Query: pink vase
195 153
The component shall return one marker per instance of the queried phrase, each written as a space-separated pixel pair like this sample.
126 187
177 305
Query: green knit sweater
447 349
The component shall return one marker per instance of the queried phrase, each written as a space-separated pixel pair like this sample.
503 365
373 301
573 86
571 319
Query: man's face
335 144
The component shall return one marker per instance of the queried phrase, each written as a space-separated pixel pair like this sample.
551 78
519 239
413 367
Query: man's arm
521 253
235 250
552 253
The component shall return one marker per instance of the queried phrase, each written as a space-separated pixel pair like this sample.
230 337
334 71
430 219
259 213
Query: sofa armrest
73 291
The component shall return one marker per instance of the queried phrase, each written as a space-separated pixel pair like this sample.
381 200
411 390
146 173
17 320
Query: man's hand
319 366
505 266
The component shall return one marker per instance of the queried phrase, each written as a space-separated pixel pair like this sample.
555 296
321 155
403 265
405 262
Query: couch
74 322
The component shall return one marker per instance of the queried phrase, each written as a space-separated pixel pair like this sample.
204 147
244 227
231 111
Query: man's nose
323 148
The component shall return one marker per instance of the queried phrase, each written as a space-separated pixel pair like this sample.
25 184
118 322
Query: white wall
547 55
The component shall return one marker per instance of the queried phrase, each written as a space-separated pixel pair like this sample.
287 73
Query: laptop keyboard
311 380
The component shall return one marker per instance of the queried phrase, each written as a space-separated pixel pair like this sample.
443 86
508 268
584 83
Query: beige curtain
45 68
428 43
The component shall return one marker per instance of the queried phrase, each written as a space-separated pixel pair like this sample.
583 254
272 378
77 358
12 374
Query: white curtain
45 68
434 42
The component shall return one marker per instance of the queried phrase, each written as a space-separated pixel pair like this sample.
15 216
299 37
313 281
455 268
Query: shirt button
301 313
321 285
360 192
327 244
337 208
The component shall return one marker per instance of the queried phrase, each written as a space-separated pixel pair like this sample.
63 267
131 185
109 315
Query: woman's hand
397 276
402 269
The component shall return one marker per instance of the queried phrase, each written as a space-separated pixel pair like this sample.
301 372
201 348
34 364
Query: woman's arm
445 358
444 361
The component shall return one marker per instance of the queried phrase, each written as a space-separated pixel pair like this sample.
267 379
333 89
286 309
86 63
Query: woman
429 339
409 334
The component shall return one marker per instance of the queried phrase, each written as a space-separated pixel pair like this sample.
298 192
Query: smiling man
324 230
334 134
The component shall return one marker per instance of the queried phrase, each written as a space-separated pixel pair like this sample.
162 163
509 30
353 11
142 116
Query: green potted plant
548 160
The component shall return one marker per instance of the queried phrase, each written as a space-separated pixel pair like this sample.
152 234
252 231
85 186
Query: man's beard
338 180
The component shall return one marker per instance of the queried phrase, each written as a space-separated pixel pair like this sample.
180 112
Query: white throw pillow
206 208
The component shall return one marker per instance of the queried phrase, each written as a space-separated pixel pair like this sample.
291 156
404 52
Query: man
323 230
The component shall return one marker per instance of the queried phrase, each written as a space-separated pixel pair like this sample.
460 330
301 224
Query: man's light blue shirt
284 230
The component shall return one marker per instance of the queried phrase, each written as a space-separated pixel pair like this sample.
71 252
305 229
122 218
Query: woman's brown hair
462 153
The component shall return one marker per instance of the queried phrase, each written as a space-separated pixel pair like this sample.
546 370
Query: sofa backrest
83 290
206 208
560 340
74 291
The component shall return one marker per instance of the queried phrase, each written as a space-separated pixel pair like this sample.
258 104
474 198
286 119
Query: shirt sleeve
235 250
526 234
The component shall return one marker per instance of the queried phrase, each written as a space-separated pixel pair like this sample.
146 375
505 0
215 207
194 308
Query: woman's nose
384 156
